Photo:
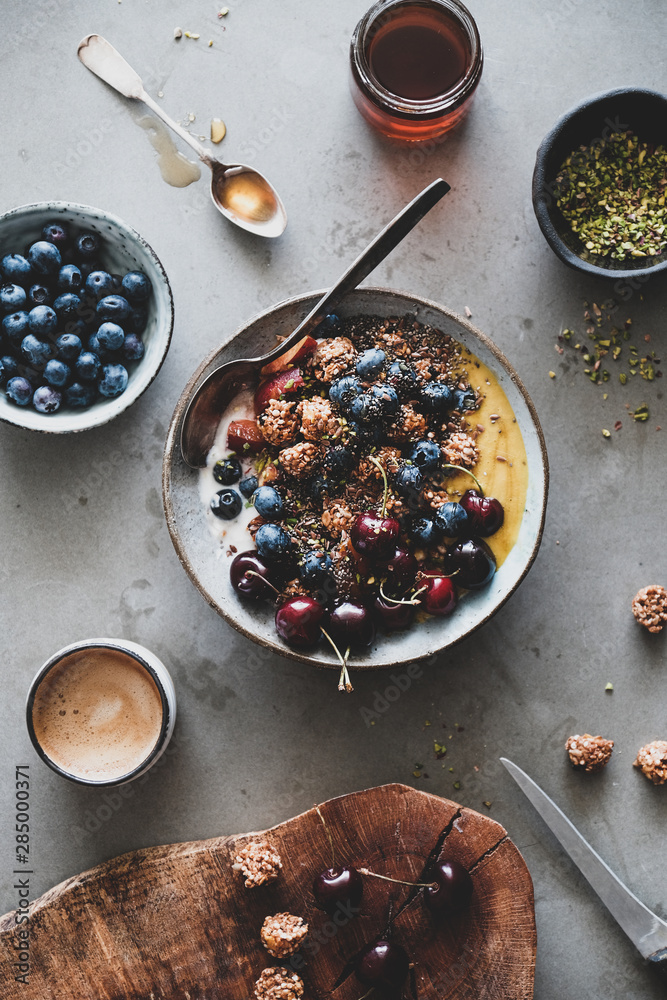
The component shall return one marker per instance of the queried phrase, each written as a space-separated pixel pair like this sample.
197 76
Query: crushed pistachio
641 413
190 34
606 433
609 687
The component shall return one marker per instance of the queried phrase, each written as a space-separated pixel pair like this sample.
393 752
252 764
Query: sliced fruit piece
277 385
244 436
301 350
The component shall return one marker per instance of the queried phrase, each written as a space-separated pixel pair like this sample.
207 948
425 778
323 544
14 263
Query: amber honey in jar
415 66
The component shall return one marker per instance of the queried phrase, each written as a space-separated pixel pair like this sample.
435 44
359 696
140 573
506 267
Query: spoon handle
102 59
375 252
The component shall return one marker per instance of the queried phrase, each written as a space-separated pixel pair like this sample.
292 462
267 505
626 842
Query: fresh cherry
249 576
440 597
393 616
384 965
351 624
375 536
485 514
341 886
474 561
452 890
299 621
401 569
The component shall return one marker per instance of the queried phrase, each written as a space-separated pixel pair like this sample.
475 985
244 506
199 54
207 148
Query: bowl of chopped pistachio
600 184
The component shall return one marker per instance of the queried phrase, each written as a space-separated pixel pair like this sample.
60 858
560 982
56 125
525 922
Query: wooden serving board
176 923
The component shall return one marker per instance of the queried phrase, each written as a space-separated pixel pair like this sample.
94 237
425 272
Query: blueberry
19 390
386 398
68 347
338 460
114 308
227 471
273 542
436 397
248 486
87 245
408 482
314 568
369 435
137 320
370 363
424 532
44 257
133 347
330 321
114 380
12 298
268 503
57 373
88 266
95 347
55 233
46 399
15 327
403 378
318 487
464 399
364 408
42 321
80 394
39 295
136 286
99 284
110 336
425 455
226 504
344 389
37 352
9 368
67 306
70 278
16 268
452 520
87 366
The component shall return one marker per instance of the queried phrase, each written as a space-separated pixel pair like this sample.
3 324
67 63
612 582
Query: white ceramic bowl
123 250
199 553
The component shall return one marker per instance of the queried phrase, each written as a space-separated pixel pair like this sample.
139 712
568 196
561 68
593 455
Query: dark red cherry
298 621
485 514
338 888
375 536
453 889
351 624
440 597
401 569
393 616
248 573
383 964
474 561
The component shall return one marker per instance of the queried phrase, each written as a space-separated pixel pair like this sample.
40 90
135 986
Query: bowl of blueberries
86 316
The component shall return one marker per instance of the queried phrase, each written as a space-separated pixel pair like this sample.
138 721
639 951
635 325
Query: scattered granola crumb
552 374
589 753
609 687
189 34
259 863
649 606
468 312
283 934
652 760
218 127
277 983
178 32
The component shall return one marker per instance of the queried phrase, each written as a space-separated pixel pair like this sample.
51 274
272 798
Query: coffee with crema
97 714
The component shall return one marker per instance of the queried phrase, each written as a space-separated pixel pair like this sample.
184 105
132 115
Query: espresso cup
101 711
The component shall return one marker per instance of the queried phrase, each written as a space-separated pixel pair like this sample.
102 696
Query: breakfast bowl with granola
378 494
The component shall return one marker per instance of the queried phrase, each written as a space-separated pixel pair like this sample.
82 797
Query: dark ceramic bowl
643 112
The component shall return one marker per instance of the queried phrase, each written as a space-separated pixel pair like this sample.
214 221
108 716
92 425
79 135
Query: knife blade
646 930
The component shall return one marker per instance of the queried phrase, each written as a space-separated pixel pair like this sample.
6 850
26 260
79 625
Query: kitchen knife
647 931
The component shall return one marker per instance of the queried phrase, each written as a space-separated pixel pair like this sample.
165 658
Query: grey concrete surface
85 550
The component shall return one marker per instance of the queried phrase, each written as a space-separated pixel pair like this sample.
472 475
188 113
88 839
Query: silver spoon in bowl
240 193
211 398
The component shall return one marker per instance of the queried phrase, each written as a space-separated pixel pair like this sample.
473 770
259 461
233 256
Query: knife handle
658 961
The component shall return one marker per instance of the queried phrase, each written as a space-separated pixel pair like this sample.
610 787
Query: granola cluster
652 761
409 425
460 449
333 357
302 460
283 934
278 422
337 517
258 862
649 606
277 983
589 753
318 421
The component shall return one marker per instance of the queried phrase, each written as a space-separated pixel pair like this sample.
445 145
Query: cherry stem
252 572
344 682
328 833
392 600
399 881
380 466
460 468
